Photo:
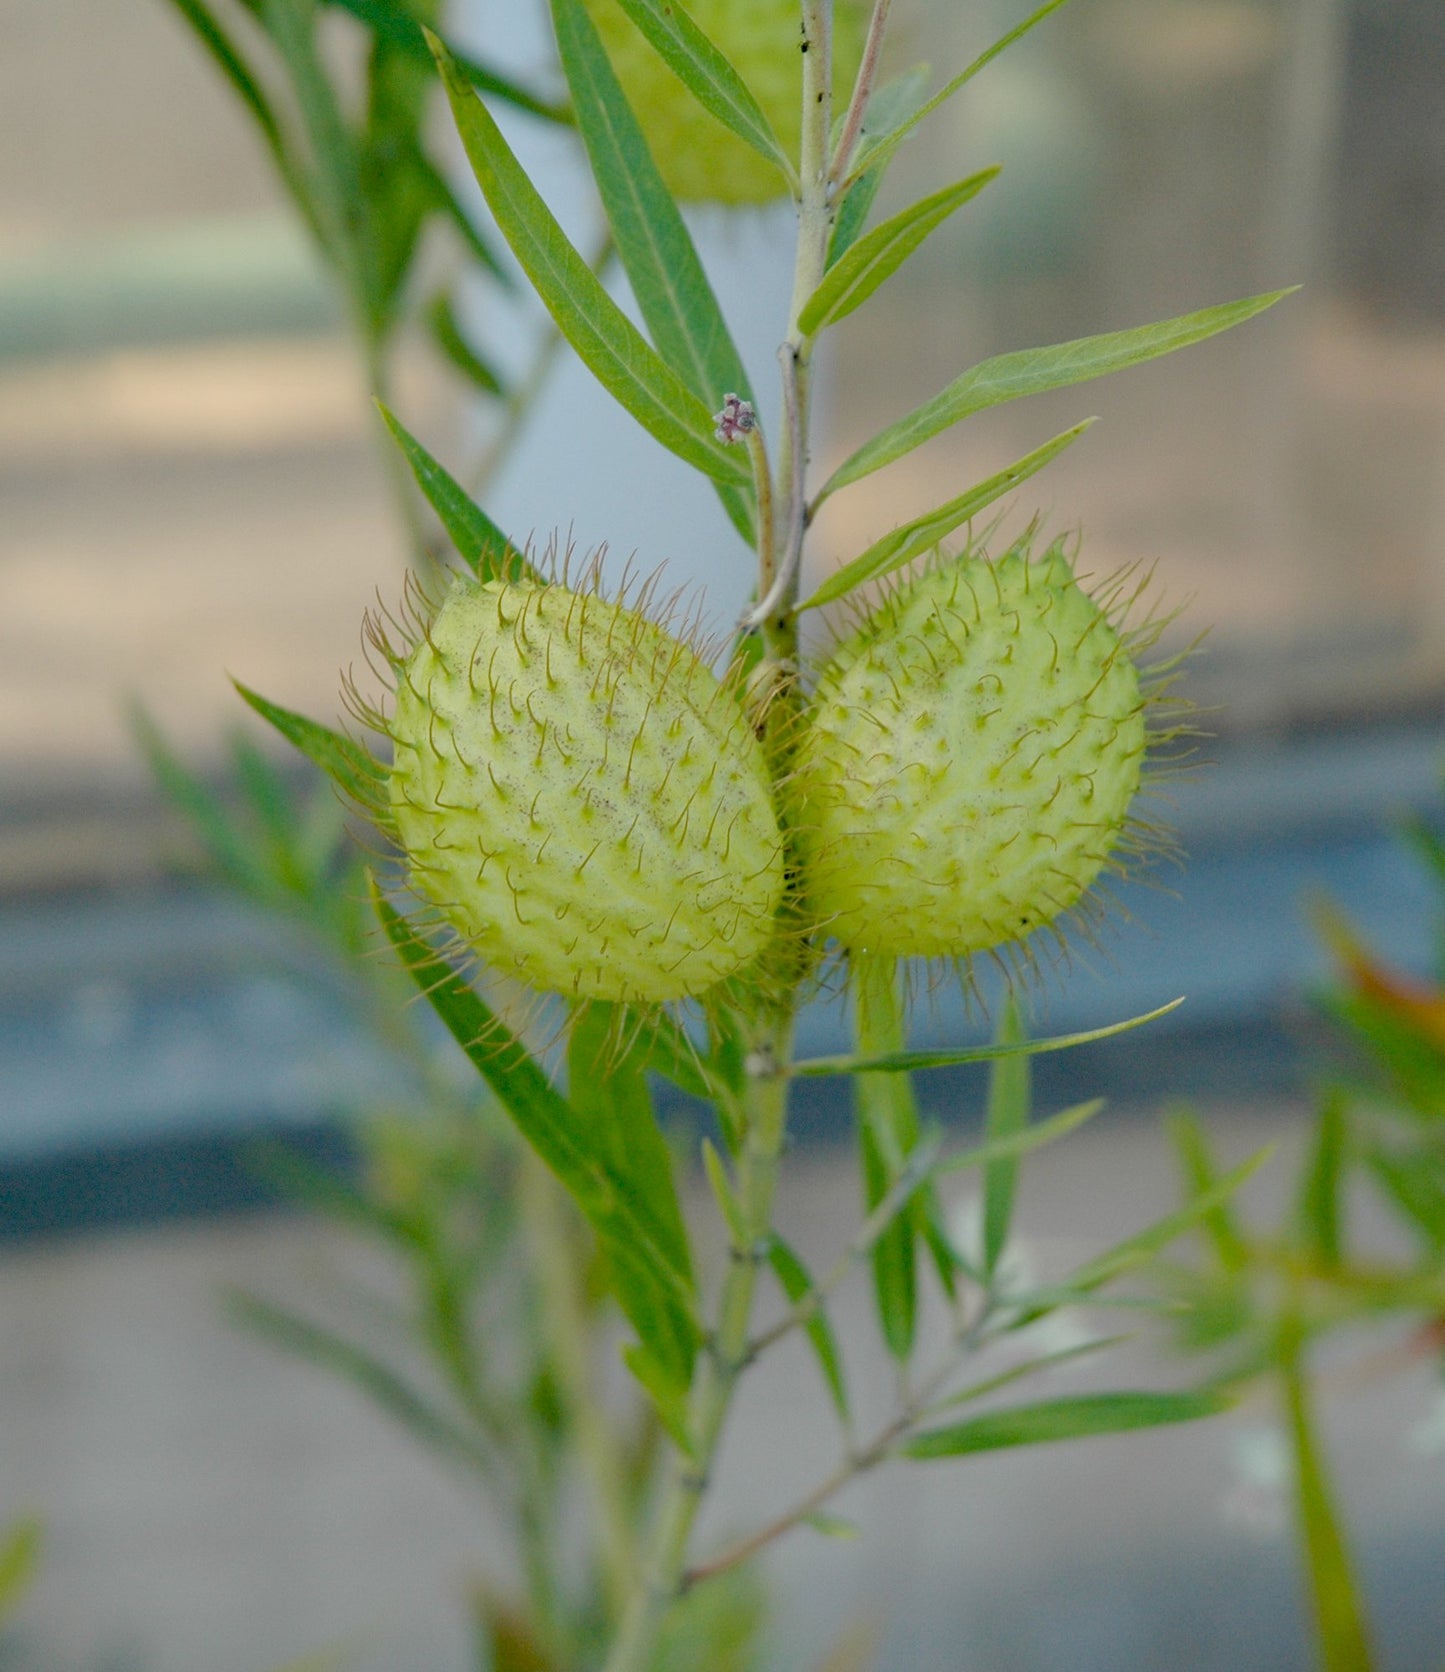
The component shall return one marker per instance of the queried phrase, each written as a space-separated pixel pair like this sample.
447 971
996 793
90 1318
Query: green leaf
479 542
657 252
653 1283
894 551
905 1062
1019 1372
224 843
888 1130
893 1254
1135 1250
877 256
381 1384
881 152
1063 1419
832 1526
1416 1185
1021 1142
19 1562
606 341
1031 371
798 1283
1010 1096
397 25
1339 1610
229 60
441 316
892 104
1320 1205
724 1195
1201 1174
607 1089
664 1393
350 766
671 1053
708 75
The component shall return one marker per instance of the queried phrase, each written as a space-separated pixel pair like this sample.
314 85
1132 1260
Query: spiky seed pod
579 796
969 759
701 161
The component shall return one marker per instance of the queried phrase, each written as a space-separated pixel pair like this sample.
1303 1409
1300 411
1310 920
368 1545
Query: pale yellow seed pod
580 798
700 160
968 761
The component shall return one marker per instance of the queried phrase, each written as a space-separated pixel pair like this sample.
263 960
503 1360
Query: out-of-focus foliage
1263 1298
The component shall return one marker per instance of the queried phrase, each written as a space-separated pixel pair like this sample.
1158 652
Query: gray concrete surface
212 1508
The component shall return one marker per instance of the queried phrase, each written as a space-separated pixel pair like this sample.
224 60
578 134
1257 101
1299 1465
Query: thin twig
862 92
916 1169
856 1462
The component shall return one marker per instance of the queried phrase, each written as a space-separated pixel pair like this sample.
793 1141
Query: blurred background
192 486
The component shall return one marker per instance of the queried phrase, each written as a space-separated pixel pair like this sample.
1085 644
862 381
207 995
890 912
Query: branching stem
856 1462
847 146
782 522
915 1170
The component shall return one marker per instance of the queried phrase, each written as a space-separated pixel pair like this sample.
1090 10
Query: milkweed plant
608 853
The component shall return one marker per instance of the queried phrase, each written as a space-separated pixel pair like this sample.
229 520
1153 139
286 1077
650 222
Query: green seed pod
701 161
969 759
580 798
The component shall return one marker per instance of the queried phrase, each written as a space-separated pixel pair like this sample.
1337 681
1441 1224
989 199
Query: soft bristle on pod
969 760
580 798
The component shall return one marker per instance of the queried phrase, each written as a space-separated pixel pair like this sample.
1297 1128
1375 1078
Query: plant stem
862 90
1339 1614
728 1350
917 1168
564 1319
727 1353
857 1462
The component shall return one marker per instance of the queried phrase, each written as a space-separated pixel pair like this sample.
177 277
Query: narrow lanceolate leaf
892 104
1196 1160
898 549
725 1195
1009 1100
878 154
1063 1419
652 1282
371 1375
707 74
797 1284
394 24
1134 1251
657 252
1018 1372
1321 1201
904 1062
851 281
453 342
1031 371
350 766
1010 1145
894 1252
480 543
605 340
607 1088
888 1133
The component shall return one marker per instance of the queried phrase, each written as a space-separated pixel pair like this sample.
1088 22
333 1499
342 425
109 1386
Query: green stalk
1339 1614
568 1331
727 1353
780 551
